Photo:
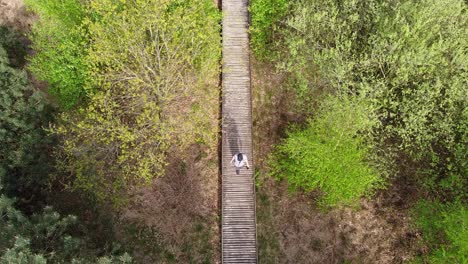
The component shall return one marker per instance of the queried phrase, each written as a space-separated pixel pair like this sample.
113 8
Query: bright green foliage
445 229
60 44
265 15
330 155
155 65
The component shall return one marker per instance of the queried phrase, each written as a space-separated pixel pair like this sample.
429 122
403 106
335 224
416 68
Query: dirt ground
14 14
183 207
297 232
290 227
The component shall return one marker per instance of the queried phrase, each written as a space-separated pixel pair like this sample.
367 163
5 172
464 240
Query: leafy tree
59 39
154 63
408 59
416 74
41 237
330 155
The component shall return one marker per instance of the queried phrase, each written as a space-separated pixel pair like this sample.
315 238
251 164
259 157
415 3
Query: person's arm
246 161
233 158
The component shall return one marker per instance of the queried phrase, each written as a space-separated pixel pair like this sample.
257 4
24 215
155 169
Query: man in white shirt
240 160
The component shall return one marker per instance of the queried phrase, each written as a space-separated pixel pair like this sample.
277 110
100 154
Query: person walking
239 160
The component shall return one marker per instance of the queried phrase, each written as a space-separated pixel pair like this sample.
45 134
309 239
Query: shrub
330 154
408 58
444 229
15 48
416 75
265 15
43 237
60 43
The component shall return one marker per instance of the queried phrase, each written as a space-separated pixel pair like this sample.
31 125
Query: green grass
444 228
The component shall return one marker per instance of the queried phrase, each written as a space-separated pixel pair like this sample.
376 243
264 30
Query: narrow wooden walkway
239 241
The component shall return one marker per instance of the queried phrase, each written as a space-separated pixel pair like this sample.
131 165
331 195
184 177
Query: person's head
240 157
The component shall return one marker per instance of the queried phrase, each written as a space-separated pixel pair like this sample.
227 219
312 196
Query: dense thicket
406 59
147 71
40 235
23 112
45 237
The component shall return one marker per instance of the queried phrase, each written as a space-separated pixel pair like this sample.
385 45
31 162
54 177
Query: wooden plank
238 191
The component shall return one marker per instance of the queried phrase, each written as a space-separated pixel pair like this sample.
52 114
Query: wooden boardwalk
239 241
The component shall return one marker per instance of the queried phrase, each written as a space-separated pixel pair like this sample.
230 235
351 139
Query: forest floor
178 215
291 229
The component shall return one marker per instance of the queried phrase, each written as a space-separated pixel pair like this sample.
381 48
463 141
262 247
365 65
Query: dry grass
13 14
180 205
375 233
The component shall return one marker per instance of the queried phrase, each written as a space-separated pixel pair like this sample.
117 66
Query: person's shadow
231 136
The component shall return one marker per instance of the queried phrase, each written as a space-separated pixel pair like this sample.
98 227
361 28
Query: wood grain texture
239 237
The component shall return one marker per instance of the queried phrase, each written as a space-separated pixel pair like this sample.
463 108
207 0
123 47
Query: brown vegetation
13 14
180 205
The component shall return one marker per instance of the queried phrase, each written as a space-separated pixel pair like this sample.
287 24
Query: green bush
416 75
330 154
445 230
265 15
60 43
15 48
408 58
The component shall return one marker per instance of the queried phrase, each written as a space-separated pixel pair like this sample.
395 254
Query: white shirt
241 163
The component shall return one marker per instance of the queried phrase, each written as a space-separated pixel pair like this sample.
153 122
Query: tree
155 65
23 111
44 236
408 59
267 14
